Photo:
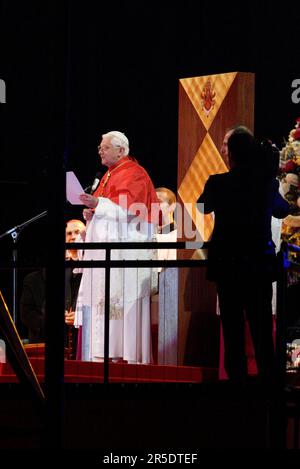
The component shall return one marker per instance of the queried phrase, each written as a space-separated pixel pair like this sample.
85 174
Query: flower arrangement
289 175
289 168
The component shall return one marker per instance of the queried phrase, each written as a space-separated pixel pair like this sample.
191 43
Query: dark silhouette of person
32 305
241 255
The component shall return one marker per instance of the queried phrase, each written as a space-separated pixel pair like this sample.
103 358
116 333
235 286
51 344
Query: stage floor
92 372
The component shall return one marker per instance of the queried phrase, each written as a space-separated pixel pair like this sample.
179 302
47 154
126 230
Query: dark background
74 70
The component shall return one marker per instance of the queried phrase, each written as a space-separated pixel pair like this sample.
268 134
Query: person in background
237 129
75 232
165 280
276 224
32 304
166 231
241 256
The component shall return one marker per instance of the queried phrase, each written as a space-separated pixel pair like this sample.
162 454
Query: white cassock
129 325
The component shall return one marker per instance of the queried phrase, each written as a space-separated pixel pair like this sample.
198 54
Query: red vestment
128 178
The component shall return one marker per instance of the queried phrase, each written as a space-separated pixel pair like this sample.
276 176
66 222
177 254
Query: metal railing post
106 316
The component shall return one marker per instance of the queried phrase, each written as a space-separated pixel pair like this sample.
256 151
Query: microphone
91 189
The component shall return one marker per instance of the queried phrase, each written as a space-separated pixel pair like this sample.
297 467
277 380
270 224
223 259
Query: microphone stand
14 232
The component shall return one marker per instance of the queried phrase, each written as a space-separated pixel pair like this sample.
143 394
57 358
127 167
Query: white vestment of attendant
163 255
167 254
129 325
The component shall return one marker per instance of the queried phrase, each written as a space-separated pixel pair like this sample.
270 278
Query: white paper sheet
73 188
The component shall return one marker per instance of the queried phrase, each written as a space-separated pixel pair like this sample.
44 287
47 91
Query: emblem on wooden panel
207 97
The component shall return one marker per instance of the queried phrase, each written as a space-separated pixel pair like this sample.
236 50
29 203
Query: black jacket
243 207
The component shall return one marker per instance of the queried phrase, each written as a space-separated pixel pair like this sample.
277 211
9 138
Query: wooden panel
191 131
208 106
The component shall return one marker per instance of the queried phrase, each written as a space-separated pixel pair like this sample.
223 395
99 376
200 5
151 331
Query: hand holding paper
89 200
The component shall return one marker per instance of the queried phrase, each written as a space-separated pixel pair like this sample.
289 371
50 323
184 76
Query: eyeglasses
107 147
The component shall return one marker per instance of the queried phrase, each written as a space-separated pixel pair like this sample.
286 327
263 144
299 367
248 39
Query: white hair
118 139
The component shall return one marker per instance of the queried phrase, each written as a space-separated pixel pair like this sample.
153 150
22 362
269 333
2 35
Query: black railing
109 264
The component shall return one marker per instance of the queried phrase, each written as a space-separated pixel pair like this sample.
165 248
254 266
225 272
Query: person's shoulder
132 164
218 178
140 171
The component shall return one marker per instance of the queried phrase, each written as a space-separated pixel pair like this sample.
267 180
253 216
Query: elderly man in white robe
118 211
